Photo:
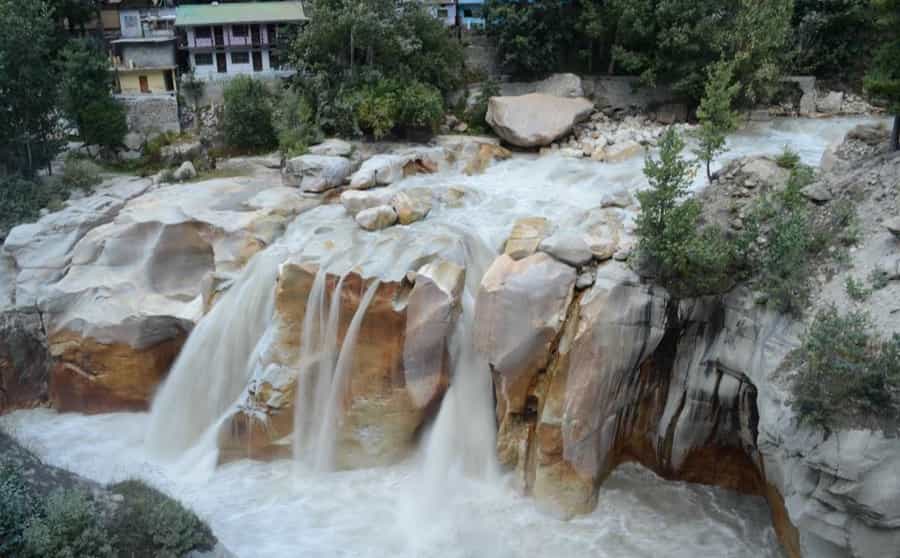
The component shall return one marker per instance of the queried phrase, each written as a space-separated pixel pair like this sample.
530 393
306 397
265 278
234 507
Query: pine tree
717 119
883 79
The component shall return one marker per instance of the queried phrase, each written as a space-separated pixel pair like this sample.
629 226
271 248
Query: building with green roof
227 39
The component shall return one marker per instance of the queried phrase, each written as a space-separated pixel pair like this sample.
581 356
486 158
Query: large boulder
316 173
411 205
401 367
332 147
376 218
386 169
535 120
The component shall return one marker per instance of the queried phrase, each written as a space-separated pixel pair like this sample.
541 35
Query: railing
225 42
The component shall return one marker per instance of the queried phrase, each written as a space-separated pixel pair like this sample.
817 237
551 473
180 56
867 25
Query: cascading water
215 363
446 502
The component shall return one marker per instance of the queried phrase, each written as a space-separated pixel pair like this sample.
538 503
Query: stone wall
149 114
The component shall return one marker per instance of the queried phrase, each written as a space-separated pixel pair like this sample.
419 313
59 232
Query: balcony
223 42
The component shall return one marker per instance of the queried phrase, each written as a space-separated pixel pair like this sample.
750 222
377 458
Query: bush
69 527
20 201
686 259
847 376
17 507
388 105
81 173
248 115
102 122
476 115
152 524
856 290
789 159
294 121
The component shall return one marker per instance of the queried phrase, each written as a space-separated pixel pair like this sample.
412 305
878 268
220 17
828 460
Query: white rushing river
436 504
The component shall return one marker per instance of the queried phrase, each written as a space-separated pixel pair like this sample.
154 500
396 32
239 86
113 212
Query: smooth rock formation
618 152
401 366
567 246
537 119
355 201
185 171
316 173
376 218
24 360
118 278
893 225
620 198
487 154
411 205
525 237
382 170
332 147
520 310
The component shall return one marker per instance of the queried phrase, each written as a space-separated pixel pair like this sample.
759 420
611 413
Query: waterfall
323 371
216 361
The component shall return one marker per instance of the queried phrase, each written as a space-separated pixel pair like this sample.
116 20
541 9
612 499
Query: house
224 40
471 12
144 55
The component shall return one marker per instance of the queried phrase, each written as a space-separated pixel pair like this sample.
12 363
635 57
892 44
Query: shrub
476 115
389 104
102 122
686 259
248 115
152 524
847 376
856 290
69 527
879 278
17 507
20 201
783 266
789 159
294 121
80 173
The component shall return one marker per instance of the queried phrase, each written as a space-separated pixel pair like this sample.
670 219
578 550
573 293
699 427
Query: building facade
471 12
144 54
224 40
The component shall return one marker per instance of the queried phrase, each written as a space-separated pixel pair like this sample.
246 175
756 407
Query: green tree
883 79
685 258
350 46
717 118
103 122
29 135
85 75
832 38
248 115
758 43
531 37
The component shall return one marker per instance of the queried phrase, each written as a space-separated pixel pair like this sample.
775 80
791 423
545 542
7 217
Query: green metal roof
238 12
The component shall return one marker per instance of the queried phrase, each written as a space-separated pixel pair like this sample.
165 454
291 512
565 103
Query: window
203 59
239 30
240 57
203 32
443 13
274 61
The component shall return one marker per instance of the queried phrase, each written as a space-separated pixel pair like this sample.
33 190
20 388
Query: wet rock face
25 360
400 366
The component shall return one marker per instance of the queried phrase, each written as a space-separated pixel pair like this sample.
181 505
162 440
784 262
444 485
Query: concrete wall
214 87
151 114
149 55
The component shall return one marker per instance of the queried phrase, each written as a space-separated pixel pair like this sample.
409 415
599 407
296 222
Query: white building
224 40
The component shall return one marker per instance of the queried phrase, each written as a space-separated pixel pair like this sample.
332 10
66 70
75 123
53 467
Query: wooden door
145 85
221 62
257 61
254 34
218 36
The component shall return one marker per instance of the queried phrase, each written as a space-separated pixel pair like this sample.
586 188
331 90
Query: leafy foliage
531 37
248 115
831 37
29 134
69 526
356 50
717 119
81 173
847 376
152 524
788 159
856 290
883 79
294 122
476 115
17 506
685 258
103 122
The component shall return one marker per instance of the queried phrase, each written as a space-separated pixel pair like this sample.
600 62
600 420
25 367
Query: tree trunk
895 134
708 171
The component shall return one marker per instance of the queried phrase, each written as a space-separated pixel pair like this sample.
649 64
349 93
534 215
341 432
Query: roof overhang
192 15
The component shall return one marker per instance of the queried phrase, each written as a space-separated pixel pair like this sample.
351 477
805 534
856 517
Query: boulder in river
535 120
